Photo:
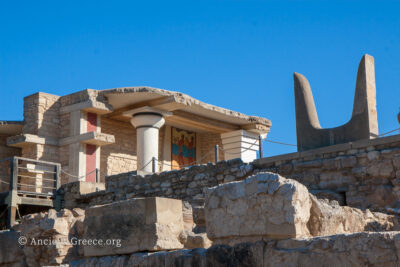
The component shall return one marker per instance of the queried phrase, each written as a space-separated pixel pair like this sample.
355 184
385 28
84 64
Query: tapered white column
147 126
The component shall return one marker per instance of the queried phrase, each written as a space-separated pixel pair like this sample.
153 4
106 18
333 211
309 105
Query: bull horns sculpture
362 125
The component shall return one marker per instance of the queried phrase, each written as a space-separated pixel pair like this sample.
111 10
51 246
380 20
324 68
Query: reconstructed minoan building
123 129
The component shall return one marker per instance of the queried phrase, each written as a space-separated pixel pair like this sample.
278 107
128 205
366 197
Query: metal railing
34 177
31 182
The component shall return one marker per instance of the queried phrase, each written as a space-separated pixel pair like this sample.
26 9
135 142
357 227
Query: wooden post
57 176
153 164
57 182
12 206
13 173
97 175
12 212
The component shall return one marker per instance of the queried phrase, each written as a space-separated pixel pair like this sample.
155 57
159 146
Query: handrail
38 161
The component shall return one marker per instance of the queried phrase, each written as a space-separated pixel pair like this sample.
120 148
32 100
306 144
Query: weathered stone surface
50 236
11 253
199 216
359 249
361 184
141 224
195 240
328 218
187 213
244 254
75 190
329 195
264 205
115 261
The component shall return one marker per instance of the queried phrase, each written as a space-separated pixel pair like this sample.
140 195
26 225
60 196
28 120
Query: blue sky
235 54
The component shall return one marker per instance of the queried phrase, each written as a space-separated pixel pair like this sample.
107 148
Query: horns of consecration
362 125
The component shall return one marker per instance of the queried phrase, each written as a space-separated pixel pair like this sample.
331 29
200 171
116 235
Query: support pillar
147 126
240 144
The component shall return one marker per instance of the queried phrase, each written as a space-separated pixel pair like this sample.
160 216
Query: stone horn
362 125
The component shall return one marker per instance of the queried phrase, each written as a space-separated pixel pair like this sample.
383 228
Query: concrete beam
94 138
89 106
201 122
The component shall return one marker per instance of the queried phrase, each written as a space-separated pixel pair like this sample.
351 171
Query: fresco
183 148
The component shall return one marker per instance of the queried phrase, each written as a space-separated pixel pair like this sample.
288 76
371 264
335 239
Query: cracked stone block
141 224
265 205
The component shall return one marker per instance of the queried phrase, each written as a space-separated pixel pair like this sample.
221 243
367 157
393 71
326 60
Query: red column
91 162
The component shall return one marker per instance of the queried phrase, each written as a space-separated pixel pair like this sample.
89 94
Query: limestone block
358 249
328 218
141 224
329 195
199 216
195 240
198 241
115 261
329 180
11 253
396 162
264 205
382 169
41 227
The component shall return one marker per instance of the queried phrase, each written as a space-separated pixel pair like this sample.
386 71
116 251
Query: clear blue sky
235 54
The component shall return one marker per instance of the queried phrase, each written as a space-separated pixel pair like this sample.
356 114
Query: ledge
11 127
89 106
94 138
23 140
329 149
257 128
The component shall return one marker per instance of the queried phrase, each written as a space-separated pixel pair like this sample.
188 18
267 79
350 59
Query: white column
240 144
147 126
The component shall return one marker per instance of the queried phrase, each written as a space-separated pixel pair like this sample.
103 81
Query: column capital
147 117
147 121
146 110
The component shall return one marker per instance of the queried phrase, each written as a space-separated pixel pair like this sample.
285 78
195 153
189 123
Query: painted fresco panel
183 148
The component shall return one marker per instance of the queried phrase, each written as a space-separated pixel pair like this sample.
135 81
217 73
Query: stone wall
6 152
47 117
358 249
207 143
189 184
41 117
363 174
121 156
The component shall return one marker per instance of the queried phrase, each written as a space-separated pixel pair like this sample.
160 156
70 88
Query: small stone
165 184
199 176
229 178
372 155
192 184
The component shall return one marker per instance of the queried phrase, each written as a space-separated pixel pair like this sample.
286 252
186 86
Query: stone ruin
263 220
335 205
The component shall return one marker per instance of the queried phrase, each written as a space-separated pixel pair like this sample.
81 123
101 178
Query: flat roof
130 97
